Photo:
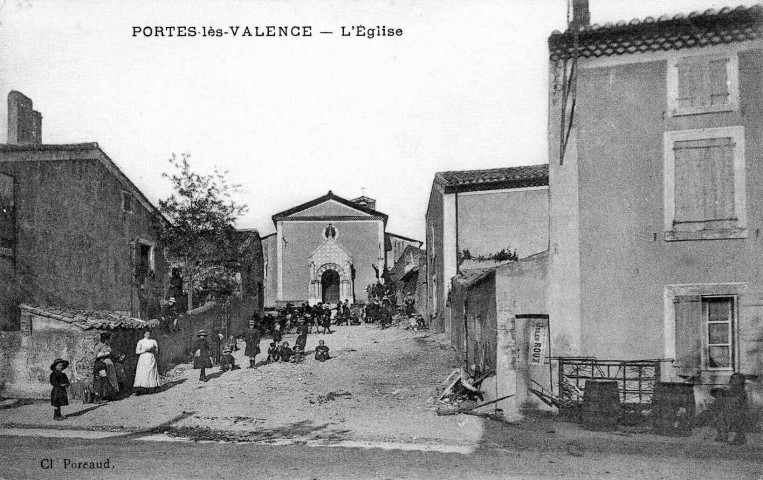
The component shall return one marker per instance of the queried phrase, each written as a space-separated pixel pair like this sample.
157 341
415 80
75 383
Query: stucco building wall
361 239
515 219
73 237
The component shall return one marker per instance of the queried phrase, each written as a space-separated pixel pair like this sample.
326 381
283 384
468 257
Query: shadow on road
302 430
84 411
157 429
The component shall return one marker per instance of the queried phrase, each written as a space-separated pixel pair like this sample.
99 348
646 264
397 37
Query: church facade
326 250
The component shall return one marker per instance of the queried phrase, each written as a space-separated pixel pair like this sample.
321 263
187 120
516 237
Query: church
326 250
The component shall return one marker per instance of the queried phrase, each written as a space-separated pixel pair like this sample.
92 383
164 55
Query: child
301 341
201 356
284 352
227 361
277 333
273 353
119 366
731 411
59 381
101 386
232 344
327 322
299 354
322 351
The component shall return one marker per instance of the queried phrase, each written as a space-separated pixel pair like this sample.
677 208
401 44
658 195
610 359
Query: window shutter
688 310
688 182
704 180
719 87
689 84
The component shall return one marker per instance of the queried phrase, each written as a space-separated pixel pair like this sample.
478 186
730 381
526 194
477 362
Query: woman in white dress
146 373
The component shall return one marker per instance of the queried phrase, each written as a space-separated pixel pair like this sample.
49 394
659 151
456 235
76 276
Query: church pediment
330 208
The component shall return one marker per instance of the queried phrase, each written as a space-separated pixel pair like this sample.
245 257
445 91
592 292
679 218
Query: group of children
284 353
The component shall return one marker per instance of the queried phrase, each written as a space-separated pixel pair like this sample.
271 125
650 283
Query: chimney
581 15
24 123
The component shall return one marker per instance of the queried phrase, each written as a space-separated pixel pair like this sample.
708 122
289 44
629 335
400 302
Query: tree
201 235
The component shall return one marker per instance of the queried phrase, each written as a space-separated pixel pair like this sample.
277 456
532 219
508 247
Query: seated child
730 408
284 352
273 353
227 362
299 354
322 351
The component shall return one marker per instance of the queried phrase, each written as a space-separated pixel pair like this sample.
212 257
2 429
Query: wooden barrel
601 405
673 409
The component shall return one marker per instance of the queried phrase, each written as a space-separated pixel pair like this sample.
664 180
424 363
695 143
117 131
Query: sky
290 118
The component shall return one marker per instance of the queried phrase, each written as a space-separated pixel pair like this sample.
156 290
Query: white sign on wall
537 344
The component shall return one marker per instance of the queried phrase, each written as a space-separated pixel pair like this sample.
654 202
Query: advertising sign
538 340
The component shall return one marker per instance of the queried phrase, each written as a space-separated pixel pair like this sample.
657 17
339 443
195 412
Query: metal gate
635 379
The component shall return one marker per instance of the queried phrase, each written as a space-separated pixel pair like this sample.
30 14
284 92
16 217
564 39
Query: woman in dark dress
59 381
201 355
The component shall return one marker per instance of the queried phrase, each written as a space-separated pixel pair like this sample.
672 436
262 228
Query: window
329 232
718 316
703 84
701 333
705 184
126 202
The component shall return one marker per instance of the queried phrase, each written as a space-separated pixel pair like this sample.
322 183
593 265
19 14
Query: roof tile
666 33
87 319
510 177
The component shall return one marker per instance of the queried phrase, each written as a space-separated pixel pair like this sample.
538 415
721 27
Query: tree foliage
201 236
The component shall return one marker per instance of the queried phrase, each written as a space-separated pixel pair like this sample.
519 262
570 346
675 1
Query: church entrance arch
330 286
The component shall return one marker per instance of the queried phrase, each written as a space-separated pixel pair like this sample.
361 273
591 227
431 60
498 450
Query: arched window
329 231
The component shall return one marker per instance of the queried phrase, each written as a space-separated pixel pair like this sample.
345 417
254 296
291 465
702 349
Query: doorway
330 286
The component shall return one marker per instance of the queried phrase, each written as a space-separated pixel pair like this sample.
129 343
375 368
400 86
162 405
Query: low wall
25 358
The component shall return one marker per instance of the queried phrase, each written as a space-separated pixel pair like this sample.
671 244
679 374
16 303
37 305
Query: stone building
76 232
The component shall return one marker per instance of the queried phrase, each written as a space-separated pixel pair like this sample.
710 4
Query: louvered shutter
704 180
688 311
718 82
689 85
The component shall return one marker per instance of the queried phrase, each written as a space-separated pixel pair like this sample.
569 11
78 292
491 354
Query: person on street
322 351
284 352
147 372
170 316
277 333
101 385
252 339
227 362
201 355
730 409
59 381
301 341
104 346
273 353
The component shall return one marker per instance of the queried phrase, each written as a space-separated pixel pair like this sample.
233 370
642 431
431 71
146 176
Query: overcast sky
463 88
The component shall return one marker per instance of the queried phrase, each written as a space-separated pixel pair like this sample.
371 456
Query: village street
363 414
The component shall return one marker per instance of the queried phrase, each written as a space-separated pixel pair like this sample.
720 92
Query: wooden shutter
689 85
718 82
704 180
688 311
